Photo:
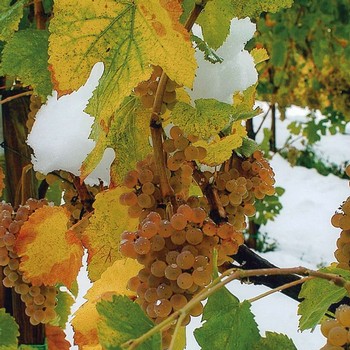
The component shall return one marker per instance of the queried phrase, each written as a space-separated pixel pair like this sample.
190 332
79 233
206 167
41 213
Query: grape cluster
238 187
342 220
40 301
146 90
337 331
34 105
177 259
146 195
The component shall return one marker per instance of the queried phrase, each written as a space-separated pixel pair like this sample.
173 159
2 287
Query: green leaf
8 331
122 320
216 21
315 304
253 8
274 341
248 147
205 120
229 324
216 18
209 54
10 16
25 56
63 309
33 347
128 135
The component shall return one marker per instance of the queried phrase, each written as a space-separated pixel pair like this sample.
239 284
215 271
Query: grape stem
84 195
279 289
10 98
156 121
225 278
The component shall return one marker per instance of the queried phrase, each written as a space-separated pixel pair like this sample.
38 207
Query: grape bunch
342 220
40 301
145 183
246 180
34 105
146 90
177 259
337 331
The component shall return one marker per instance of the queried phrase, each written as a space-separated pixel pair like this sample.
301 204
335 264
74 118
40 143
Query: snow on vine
60 134
237 71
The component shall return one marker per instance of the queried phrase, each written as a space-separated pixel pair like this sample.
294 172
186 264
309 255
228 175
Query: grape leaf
124 36
10 16
25 56
259 55
8 331
122 320
102 235
205 120
244 102
209 54
49 253
216 19
228 325
248 147
128 135
55 337
220 149
63 309
315 304
86 318
274 341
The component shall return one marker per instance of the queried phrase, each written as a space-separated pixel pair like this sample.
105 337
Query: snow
60 134
236 73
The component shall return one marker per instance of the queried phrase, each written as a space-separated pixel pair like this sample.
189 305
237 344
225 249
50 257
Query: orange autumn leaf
55 337
86 318
49 252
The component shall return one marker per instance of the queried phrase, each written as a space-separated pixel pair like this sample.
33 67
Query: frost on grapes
60 134
237 71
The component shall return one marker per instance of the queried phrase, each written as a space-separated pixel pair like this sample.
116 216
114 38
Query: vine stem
10 98
279 289
225 278
156 121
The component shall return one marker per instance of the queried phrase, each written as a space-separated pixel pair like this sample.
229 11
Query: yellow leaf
128 37
220 150
102 235
259 55
49 252
85 320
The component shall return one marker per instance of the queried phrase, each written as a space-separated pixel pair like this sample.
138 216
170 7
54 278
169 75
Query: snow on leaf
122 320
49 252
128 135
228 325
315 304
220 149
205 120
274 341
8 331
10 16
124 36
102 235
86 318
25 56
55 337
